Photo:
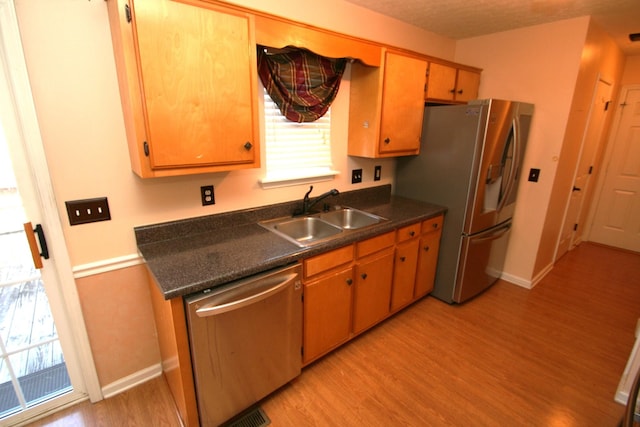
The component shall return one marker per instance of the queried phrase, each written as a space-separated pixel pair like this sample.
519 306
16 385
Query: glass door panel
32 366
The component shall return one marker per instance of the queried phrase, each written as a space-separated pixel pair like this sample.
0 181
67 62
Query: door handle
33 246
215 308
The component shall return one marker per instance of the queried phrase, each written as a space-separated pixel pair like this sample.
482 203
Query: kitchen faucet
307 203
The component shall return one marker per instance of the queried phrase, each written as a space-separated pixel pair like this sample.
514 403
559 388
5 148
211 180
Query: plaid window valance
302 84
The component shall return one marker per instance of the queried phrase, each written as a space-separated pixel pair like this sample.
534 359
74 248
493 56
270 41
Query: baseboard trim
106 265
525 283
542 274
132 380
519 281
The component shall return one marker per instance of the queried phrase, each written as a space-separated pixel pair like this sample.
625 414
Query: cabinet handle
402 258
460 91
426 248
349 281
412 233
452 90
364 276
247 146
387 140
435 225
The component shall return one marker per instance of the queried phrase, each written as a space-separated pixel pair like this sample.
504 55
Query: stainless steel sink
313 229
350 219
303 231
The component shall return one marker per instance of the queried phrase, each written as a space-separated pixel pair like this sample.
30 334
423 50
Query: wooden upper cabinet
387 106
467 85
451 83
188 83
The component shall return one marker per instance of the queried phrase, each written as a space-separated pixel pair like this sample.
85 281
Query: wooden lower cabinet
428 256
372 290
404 273
173 338
350 289
327 313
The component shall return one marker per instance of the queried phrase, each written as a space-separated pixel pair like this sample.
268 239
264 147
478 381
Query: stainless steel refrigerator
470 161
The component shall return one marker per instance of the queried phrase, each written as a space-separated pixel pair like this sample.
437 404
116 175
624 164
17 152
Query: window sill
288 179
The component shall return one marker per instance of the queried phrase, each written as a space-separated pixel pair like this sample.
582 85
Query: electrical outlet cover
356 176
207 195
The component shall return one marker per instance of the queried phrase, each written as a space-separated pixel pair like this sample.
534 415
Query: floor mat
49 381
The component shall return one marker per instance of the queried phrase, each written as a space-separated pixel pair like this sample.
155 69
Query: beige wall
118 315
602 59
69 55
554 66
540 65
631 74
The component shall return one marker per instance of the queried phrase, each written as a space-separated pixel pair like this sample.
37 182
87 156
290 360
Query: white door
44 363
616 221
576 212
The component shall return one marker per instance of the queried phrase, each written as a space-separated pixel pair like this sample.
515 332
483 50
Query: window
295 152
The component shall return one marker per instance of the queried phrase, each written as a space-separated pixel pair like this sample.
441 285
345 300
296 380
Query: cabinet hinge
575 227
145 147
127 13
590 170
301 351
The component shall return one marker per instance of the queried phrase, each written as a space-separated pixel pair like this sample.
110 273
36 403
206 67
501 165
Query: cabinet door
404 274
197 69
428 255
402 104
441 83
372 290
427 262
467 85
327 313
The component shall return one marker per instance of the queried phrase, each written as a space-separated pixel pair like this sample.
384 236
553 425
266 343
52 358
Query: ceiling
459 19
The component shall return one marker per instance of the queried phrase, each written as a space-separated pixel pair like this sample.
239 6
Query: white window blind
295 151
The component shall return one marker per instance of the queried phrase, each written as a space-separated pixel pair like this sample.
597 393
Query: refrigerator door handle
493 235
514 164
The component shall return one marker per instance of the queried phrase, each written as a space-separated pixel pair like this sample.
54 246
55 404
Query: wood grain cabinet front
404 266
373 277
386 106
188 83
327 313
428 256
451 84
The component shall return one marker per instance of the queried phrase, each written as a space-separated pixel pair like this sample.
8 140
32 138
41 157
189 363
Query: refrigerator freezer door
481 261
503 150
497 167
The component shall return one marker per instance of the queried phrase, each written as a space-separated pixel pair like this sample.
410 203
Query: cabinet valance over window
302 84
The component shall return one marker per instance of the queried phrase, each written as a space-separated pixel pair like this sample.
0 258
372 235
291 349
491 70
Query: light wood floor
551 356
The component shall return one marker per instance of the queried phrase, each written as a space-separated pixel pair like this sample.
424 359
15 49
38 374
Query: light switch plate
88 210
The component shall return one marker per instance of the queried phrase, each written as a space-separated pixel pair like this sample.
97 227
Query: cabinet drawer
408 232
374 244
432 224
327 261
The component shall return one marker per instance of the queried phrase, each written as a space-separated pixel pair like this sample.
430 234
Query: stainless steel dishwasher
245 339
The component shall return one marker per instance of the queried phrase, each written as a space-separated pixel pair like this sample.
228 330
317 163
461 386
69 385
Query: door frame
608 154
29 145
587 190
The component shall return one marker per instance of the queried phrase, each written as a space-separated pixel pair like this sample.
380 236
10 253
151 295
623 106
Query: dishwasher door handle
215 308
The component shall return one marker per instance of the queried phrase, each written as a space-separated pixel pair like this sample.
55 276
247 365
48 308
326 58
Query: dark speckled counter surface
191 255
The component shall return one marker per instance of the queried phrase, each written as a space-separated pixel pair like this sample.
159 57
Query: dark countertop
191 255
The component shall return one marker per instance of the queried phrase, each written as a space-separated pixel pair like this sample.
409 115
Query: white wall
540 65
69 56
